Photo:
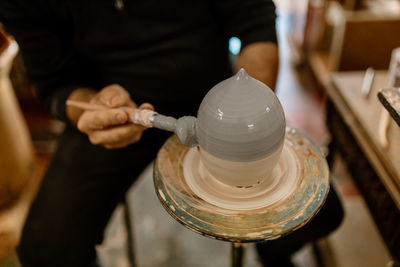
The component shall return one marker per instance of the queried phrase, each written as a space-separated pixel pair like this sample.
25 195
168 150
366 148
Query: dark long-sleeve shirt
164 52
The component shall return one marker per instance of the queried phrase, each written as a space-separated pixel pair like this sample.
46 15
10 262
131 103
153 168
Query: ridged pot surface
241 119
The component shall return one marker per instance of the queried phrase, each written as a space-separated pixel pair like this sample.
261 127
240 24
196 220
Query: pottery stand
240 226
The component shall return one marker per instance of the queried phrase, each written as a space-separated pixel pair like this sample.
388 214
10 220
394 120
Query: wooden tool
183 127
137 116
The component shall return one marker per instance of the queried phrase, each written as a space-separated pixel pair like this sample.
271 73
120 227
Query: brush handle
185 127
86 105
137 116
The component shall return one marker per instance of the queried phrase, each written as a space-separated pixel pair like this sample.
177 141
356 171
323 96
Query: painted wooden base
265 223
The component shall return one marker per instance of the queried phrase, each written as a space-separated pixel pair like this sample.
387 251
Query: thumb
113 96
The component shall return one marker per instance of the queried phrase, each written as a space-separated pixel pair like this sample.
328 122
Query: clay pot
240 130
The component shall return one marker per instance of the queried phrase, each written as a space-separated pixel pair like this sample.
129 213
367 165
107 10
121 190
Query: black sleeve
249 20
50 59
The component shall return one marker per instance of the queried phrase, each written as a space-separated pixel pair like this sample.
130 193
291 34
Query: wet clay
184 128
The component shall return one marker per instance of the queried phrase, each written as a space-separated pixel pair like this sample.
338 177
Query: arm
253 22
261 61
18 173
60 72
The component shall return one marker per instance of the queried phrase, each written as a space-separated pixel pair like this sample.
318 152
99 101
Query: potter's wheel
261 212
284 179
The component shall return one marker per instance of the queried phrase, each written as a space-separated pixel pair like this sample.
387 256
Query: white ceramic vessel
240 129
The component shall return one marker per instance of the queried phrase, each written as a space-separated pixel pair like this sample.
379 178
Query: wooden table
353 121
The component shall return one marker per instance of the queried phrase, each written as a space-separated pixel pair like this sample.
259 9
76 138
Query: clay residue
164 122
186 130
142 117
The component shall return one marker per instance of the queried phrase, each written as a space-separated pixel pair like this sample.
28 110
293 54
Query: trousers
277 253
80 189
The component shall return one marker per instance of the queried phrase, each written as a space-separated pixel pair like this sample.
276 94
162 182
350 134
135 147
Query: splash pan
267 211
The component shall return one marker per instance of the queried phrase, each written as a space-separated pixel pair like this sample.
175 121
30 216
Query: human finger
113 96
146 106
124 143
124 134
101 119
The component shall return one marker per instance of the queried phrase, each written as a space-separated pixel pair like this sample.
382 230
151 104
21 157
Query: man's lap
80 190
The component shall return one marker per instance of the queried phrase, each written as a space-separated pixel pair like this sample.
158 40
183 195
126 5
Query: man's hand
108 127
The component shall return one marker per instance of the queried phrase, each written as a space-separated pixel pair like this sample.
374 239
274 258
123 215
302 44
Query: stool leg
129 230
237 254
